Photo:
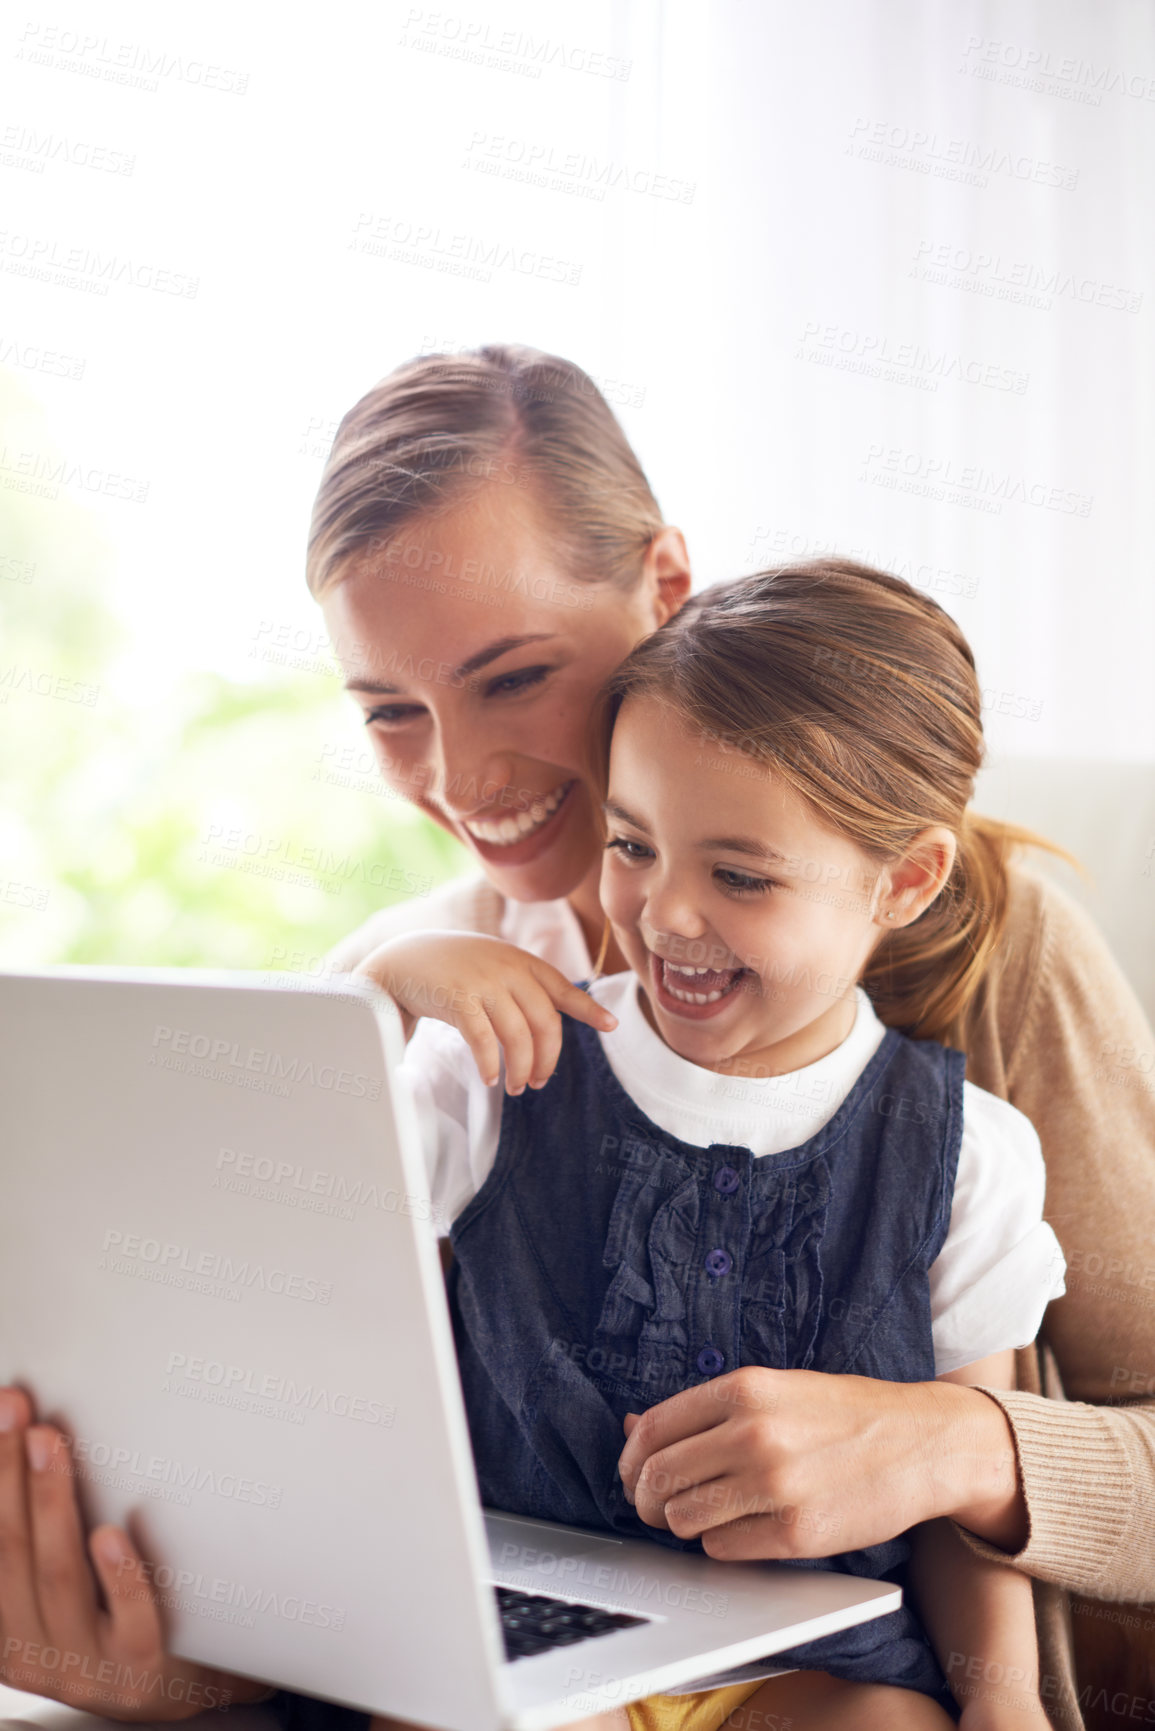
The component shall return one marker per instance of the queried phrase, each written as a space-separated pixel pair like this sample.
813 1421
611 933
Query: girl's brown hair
443 426
861 693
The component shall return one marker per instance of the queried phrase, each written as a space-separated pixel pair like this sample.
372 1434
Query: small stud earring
890 916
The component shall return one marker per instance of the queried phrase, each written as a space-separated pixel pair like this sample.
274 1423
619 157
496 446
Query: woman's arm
798 1463
980 1615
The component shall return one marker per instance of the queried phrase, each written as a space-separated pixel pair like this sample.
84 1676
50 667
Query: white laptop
219 1272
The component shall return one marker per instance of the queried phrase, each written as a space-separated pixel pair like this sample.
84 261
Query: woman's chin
550 863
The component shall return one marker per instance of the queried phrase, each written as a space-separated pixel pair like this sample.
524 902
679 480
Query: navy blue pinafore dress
604 1265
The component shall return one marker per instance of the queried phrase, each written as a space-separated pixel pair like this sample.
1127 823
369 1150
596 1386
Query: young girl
725 1166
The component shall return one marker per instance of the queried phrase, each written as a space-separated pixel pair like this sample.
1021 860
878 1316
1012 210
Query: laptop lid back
218 1272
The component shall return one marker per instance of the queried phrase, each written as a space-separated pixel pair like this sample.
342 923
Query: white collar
768 1115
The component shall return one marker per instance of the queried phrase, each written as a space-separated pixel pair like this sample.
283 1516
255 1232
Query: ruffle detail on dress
653 1247
650 1245
782 1288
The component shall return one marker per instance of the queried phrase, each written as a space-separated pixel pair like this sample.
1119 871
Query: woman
486 550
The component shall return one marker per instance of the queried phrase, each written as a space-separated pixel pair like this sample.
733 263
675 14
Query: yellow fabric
701 1712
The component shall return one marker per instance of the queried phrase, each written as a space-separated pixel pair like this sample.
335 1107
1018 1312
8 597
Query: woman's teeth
520 824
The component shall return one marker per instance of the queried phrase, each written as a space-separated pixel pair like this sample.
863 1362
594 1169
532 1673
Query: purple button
726 1181
719 1262
710 1361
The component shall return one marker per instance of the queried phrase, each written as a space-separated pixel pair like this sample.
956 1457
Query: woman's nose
467 778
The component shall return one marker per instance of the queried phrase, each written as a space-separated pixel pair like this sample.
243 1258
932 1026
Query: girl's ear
911 883
666 573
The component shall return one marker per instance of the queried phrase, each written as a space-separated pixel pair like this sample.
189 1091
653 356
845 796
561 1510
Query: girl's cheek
618 903
608 892
753 939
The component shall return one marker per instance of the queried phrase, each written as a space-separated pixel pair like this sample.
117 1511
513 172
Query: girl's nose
671 916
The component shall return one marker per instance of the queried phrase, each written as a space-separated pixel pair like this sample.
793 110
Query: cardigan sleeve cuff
1078 1487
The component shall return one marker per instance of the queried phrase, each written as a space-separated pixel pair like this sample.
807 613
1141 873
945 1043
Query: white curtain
909 314
873 275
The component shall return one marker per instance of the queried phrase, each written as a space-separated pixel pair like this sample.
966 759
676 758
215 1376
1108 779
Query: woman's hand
496 996
797 1463
56 1637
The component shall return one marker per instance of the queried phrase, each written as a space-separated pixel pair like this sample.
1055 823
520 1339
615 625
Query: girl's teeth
687 997
693 997
523 823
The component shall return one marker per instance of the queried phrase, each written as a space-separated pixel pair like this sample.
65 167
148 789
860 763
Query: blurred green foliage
216 828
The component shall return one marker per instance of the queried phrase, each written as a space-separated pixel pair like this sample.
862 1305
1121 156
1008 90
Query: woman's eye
739 882
629 849
506 683
392 714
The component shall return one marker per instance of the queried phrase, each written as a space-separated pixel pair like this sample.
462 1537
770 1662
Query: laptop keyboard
531 1623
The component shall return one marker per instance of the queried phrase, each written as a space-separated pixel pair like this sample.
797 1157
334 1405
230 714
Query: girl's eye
522 680
740 884
629 849
392 714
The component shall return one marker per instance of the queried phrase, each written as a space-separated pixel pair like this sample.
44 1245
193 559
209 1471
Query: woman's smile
521 836
503 831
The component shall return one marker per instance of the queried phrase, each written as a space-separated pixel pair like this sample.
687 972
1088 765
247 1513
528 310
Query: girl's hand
496 996
56 1637
797 1463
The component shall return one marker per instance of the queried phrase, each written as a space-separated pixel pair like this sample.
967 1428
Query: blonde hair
441 427
861 694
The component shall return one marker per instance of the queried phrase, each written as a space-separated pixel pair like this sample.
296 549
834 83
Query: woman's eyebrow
501 647
482 659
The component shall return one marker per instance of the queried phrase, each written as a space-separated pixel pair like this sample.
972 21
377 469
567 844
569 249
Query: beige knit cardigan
1057 1030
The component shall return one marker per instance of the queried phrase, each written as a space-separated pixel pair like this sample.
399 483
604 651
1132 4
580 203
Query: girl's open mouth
693 992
